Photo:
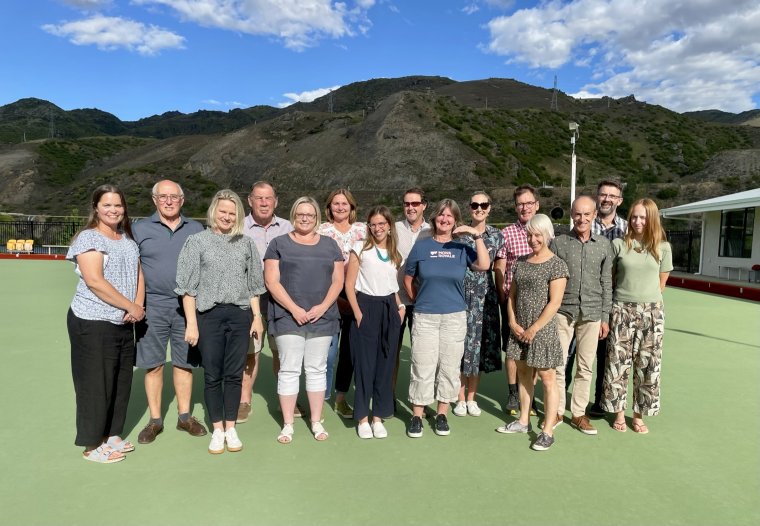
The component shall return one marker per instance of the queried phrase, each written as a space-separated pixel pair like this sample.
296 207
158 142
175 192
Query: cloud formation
305 96
227 103
111 33
298 23
684 55
87 4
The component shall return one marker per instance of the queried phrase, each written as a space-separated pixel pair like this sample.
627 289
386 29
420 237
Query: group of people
333 300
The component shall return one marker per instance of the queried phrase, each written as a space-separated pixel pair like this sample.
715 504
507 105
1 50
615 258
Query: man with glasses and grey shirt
262 225
160 238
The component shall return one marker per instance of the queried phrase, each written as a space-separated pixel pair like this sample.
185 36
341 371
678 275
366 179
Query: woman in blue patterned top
220 278
109 298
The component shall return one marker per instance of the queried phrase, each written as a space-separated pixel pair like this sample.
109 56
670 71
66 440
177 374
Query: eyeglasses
609 196
526 204
163 198
373 226
482 206
306 216
414 204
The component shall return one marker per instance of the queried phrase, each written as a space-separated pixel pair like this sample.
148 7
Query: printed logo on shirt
447 254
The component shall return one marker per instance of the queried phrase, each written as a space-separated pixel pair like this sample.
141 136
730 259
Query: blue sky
136 58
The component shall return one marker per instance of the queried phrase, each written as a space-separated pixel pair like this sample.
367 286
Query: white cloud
684 55
470 9
112 33
298 23
305 96
227 103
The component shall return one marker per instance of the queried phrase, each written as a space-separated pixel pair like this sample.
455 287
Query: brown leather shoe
582 424
192 426
149 433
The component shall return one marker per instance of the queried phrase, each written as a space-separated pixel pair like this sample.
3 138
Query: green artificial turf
698 465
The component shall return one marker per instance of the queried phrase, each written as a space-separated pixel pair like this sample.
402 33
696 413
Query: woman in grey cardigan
220 278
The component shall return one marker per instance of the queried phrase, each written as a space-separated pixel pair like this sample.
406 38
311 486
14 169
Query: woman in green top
642 263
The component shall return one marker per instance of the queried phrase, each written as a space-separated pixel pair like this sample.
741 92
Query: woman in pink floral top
340 210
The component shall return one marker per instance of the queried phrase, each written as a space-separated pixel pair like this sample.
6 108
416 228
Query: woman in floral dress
482 345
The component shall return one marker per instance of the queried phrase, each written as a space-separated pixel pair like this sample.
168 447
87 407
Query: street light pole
573 128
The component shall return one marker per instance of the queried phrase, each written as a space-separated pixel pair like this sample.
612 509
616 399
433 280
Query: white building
730 233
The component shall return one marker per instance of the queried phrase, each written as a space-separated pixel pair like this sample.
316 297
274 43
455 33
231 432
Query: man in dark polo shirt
585 310
160 238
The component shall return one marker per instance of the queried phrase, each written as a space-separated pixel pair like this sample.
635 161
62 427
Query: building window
736 233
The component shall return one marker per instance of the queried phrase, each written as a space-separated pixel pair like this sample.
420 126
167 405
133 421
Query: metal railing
49 236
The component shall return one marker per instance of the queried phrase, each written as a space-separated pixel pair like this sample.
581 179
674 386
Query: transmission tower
554 106
330 103
51 131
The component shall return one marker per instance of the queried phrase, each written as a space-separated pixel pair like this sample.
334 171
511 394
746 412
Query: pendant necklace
380 256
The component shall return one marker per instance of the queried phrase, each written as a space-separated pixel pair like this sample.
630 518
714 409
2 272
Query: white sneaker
364 430
233 442
473 409
378 429
460 409
216 447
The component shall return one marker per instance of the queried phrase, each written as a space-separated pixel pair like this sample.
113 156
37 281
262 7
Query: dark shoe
596 411
513 404
415 428
149 433
244 411
192 426
582 424
543 442
442 425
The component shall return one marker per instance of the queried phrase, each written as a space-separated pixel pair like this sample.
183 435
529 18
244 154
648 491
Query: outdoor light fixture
574 128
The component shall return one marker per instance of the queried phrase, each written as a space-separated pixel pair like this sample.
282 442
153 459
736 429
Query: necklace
380 256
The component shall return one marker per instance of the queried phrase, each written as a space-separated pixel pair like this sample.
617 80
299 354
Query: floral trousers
635 339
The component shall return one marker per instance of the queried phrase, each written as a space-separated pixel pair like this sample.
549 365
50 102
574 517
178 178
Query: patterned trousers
635 338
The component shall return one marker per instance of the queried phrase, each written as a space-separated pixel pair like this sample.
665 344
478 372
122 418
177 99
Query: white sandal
319 431
286 435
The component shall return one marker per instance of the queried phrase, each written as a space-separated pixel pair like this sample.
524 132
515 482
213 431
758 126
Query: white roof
748 199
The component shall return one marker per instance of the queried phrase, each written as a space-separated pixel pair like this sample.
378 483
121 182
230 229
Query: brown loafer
192 426
582 424
149 433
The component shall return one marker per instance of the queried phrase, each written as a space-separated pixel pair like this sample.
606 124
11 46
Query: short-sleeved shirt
515 245
263 235
219 269
159 251
306 275
406 239
637 272
377 277
440 269
357 232
121 261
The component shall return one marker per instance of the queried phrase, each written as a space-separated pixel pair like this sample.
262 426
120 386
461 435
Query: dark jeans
345 370
224 335
102 356
373 352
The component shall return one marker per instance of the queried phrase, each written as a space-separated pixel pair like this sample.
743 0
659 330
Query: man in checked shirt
515 245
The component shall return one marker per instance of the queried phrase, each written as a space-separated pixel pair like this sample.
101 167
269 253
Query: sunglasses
415 204
482 206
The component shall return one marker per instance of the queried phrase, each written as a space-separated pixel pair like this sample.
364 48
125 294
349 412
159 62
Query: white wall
711 244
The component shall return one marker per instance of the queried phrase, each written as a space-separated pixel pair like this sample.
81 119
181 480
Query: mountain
749 118
382 136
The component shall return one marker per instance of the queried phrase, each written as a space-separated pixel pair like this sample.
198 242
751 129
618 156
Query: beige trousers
586 340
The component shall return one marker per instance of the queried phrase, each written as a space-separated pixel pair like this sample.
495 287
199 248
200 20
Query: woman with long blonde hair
641 266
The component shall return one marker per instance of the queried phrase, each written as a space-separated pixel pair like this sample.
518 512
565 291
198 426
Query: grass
698 465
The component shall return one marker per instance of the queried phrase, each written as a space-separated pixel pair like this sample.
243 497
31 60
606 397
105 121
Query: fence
49 236
686 249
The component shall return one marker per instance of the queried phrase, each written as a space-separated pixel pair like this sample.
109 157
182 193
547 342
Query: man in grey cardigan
585 305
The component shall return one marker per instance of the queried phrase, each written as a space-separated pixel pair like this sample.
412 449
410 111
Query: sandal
319 431
639 427
118 444
286 435
103 454
619 426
